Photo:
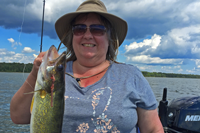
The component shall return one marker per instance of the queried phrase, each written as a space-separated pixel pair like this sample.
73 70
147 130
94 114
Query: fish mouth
52 53
53 57
88 45
51 61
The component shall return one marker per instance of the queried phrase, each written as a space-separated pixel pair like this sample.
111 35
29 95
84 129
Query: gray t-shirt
109 105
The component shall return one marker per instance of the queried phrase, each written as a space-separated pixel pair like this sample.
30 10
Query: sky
163 35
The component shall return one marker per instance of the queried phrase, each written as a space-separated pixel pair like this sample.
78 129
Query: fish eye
60 67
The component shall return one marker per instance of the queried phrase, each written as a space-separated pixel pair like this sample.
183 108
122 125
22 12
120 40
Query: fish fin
42 93
31 108
31 92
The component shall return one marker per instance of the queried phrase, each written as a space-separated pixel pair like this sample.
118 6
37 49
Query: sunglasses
95 29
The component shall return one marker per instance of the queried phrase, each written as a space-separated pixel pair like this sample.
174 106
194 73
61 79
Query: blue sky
163 35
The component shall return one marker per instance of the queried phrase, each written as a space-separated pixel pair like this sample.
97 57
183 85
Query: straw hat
92 6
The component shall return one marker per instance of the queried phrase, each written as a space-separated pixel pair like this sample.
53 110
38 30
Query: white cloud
27 50
11 56
14 43
180 70
177 44
166 69
4 52
182 42
53 9
197 62
153 43
177 66
171 10
193 71
181 36
19 44
11 40
191 11
35 56
127 8
153 60
142 68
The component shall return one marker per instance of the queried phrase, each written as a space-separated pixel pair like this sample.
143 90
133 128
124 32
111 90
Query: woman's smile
88 45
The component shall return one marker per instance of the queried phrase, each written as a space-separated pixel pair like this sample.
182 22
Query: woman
101 94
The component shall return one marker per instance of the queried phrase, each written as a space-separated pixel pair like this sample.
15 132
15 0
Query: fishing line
22 20
20 36
24 77
62 48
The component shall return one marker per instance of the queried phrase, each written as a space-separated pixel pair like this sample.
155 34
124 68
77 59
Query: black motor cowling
184 114
181 115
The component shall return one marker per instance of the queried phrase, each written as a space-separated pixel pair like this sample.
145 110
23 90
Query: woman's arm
20 103
148 121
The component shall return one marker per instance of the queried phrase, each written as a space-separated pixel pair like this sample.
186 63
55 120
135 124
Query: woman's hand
36 64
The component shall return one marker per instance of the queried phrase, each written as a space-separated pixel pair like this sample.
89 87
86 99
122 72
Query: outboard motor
182 115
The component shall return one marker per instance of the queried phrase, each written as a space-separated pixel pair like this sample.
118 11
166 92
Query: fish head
52 69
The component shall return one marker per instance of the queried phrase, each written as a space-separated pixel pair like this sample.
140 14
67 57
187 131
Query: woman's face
88 47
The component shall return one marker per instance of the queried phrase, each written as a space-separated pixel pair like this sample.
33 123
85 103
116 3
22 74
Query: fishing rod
42 26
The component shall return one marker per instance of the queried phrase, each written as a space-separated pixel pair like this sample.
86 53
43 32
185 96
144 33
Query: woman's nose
88 34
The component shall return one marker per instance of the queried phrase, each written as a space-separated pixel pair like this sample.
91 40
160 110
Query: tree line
21 67
170 75
15 67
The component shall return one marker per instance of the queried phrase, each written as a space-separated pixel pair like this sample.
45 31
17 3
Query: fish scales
44 117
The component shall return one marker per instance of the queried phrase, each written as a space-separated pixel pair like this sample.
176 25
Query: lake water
11 82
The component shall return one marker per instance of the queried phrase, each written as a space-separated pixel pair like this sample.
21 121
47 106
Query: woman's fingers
36 64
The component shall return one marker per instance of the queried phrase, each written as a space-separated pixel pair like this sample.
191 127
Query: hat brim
120 26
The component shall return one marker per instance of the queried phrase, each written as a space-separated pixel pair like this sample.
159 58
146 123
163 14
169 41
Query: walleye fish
47 107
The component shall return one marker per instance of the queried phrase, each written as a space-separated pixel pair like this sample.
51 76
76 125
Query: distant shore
26 68
169 75
15 67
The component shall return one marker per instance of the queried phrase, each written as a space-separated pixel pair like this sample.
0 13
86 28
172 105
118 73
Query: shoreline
146 76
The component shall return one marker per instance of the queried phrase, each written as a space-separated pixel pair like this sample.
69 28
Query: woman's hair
112 39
